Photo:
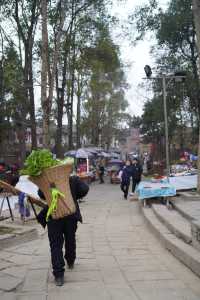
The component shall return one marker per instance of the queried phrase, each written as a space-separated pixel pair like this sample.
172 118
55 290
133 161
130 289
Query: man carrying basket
62 213
64 230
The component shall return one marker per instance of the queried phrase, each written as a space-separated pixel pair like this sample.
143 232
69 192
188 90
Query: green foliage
145 18
87 50
106 102
37 161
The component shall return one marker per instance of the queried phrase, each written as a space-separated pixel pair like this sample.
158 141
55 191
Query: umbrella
115 155
91 150
115 161
104 154
79 153
71 153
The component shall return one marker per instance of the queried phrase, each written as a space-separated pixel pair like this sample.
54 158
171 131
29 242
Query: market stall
113 167
184 183
155 189
82 164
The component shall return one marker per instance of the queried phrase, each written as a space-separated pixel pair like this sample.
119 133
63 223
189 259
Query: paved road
118 258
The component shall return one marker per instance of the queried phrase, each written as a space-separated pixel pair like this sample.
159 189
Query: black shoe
71 266
59 280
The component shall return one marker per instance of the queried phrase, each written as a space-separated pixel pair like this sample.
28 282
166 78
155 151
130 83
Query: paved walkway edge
13 239
188 255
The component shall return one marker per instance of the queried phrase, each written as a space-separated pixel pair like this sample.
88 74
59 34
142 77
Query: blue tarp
147 189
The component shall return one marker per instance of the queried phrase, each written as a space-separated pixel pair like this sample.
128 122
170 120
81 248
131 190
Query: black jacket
78 188
126 175
136 172
101 169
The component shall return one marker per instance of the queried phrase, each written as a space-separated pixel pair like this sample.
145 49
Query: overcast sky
137 56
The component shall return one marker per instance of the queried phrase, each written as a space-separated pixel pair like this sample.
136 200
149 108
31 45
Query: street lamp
148 71
178 76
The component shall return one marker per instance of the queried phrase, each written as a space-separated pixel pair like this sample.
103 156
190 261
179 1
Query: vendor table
148 189
6 196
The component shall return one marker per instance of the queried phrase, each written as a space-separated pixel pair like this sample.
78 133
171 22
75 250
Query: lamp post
166 126
177 76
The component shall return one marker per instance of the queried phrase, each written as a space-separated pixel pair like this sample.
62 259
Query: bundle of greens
37 161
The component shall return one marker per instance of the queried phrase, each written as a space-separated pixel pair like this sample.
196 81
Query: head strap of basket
57 177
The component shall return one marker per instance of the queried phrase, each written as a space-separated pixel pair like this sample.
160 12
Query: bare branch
16 17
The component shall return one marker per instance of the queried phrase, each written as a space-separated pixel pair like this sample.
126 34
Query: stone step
182 251
176 224
189 210
190 195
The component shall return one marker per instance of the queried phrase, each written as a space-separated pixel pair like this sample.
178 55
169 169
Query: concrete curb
182 212
172 228
188 255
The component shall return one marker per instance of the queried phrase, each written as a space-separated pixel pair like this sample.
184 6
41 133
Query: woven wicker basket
58 177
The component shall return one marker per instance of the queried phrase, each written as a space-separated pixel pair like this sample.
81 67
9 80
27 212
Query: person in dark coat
101 172
136 173
63 230
125 178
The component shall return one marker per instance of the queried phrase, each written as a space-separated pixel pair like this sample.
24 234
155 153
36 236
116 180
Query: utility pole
166 126
196 13
177 76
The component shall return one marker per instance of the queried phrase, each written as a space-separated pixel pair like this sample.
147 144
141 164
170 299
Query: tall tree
48 68
175 35
105 100
25 15
83 25
13 106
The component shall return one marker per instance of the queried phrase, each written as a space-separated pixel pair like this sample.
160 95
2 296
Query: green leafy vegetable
37 161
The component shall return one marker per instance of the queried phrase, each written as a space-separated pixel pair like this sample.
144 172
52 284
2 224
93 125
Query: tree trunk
1 99
96 123
60 101
56 54
1 81
32 104
28 39
22 143
71 144
78 118
196 12
60 105
44 70
47 101
32 117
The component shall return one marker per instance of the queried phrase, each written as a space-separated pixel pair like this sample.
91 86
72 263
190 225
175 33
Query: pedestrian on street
63 230
101 170
136 174
125 178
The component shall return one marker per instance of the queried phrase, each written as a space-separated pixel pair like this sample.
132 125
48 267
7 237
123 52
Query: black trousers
60 231
134 184
101 175
125 188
